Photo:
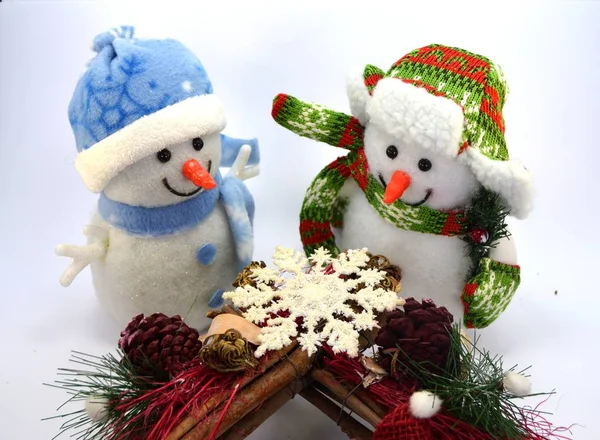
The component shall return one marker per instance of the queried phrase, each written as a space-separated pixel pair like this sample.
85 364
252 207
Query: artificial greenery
487 212
471 387
111 378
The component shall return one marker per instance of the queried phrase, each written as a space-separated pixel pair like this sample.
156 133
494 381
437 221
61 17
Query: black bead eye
425 165
197 143
163 155
391 152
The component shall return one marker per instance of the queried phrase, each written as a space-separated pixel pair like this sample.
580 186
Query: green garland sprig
109 378
471 387
487 213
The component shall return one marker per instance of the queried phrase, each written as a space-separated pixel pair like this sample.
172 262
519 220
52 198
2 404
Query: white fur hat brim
415 116
187 119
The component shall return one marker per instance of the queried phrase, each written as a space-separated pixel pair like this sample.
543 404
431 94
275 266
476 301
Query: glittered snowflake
320 299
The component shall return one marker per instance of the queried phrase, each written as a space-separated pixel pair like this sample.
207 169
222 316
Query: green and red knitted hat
450 101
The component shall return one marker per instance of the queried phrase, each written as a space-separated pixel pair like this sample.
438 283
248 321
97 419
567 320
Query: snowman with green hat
427 181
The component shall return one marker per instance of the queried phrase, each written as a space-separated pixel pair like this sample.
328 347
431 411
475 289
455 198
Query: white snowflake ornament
312 289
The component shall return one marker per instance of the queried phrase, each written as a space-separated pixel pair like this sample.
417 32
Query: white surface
253 50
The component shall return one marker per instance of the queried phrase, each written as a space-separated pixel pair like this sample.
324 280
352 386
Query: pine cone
381 263
154 343
245 276
420 333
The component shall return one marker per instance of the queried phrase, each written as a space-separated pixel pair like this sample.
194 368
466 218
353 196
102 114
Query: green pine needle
471 386
486 211
111 378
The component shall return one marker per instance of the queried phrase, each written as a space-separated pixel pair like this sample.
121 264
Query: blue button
207 254
217 299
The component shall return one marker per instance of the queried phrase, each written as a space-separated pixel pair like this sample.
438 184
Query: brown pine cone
245 276
420 333
381 263
154 343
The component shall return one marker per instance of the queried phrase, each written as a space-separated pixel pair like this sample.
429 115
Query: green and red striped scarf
321 205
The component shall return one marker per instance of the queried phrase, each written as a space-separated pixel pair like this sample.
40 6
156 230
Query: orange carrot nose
198 175
394 190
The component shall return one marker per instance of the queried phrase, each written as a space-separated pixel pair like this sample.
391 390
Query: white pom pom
424 404
96 408
516 384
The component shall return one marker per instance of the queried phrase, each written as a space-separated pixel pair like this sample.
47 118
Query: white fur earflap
184 120
509 179
415 116
358 95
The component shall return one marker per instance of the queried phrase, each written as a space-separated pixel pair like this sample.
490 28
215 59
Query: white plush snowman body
129 280
179 272
170 233
433 266
147 274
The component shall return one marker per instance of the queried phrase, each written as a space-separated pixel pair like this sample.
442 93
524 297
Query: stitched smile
427 194
182 194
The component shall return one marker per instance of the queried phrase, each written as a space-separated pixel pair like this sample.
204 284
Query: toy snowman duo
170 233
427 180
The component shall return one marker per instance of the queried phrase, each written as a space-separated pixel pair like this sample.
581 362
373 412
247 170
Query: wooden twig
252 421
349 425
225 309
379 409
295 366
201 411
345 396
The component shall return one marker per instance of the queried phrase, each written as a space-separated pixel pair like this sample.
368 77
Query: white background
252 51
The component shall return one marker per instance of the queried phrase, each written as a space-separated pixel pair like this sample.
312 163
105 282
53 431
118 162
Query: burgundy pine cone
421 332
154 343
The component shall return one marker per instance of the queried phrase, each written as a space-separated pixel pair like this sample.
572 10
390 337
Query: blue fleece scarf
166 220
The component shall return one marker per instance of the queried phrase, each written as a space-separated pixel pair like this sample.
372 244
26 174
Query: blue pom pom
106 38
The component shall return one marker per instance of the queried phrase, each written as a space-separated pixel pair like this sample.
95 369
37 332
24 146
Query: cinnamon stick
344 396
297 364
252 421
378 408
348 424
225 309
200 413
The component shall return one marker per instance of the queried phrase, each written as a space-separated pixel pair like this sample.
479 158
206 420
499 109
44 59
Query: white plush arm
239 170
505 251
83 255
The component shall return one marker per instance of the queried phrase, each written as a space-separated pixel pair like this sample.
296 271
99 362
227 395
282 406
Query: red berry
479 235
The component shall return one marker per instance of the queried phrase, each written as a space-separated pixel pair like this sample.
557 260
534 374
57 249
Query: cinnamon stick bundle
349 426
252 421
293 367
345 396
199 414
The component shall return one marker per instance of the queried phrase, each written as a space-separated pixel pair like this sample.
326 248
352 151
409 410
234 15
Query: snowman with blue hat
170 233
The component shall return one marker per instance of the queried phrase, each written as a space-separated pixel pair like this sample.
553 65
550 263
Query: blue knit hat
136 97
